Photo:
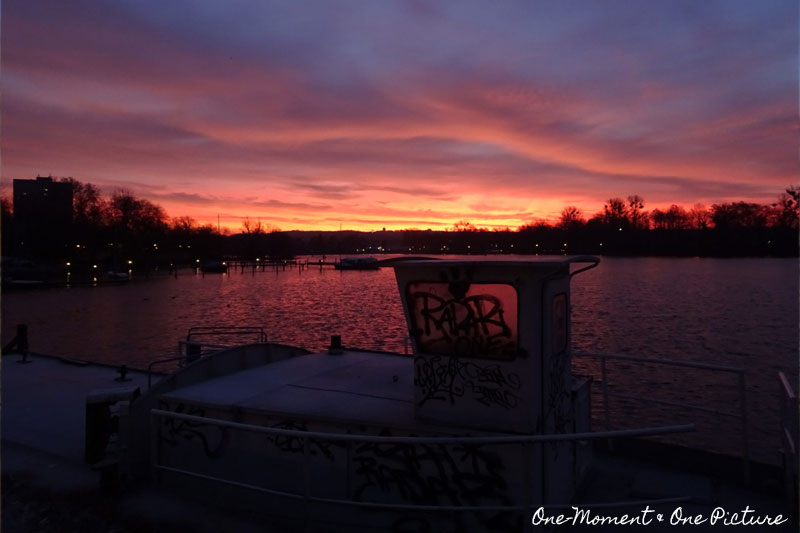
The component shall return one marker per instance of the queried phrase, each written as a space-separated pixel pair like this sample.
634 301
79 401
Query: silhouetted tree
252 228
699 217
615 212
7 226
571 218
636 214
6 208
88 206
673 218
463 225
738 215
785 210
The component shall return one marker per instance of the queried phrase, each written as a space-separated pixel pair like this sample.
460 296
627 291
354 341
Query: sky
366 114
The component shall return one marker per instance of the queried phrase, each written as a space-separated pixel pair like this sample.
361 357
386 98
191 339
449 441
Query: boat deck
44 402
353 387
43 405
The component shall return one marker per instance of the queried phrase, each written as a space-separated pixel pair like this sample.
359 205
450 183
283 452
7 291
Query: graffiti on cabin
459 319
449 378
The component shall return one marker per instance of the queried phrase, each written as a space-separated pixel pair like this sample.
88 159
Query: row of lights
95 266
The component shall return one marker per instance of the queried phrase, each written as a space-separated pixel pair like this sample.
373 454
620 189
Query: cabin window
464 319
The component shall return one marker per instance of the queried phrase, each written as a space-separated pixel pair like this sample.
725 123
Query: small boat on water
118 275
357 263
214 266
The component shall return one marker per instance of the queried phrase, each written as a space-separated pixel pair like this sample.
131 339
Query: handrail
226 331
159 362
669 362
583 259
420 507
739 371
379 439
788 391
305 436
789 437
203 345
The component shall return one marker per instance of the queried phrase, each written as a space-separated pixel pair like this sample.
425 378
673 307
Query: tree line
122 231
630 214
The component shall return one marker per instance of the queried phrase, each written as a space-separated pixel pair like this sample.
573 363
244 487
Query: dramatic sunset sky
380 113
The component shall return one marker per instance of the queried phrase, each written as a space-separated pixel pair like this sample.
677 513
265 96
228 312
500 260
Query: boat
357 263
118 275
483 427
214 266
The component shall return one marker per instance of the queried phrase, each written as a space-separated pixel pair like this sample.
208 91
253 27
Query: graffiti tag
470 325
448 378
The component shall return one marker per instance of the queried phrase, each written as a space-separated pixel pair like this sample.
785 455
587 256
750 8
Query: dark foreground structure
484 429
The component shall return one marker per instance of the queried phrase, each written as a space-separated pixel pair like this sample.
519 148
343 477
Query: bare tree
615 212
571 217
699 217
638 218
463 225
252 228
785 212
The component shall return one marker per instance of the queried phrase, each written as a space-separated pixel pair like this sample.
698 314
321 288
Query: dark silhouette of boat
357 263
214 266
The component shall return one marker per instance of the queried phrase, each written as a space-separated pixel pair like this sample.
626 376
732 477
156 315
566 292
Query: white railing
351 439
789 434
740 414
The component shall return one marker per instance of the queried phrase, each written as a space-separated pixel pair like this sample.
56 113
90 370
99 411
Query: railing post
306 487
745 439
193 351
606 409
347 465
154 438
604 377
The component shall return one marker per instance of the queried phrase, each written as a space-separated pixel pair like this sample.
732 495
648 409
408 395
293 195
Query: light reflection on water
740 312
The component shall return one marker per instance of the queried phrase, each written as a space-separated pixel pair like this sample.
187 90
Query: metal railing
198 333
206 340
789 433
351 439
741 414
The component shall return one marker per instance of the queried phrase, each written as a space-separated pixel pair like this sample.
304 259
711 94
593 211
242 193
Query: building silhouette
42 216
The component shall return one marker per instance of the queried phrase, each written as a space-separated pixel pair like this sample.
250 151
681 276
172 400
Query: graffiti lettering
433 474
472 325
295 444
449 378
